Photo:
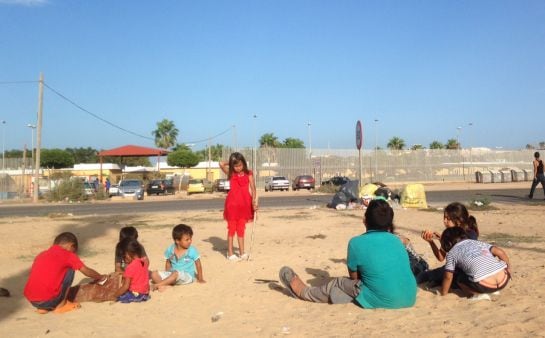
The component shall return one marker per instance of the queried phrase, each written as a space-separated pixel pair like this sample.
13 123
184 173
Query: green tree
129 161
291 142
215 153
452 144
530 146
184 158
83 155
165 134
269 140
56 158
16 153
396 143
417 147
437 145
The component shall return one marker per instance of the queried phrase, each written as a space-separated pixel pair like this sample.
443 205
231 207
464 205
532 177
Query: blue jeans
65 286
539 179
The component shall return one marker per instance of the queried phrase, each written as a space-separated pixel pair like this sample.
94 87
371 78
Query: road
434 198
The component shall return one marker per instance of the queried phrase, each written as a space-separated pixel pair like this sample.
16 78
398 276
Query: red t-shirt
48 271
137 271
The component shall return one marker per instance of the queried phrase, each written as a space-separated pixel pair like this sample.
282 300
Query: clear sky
421 68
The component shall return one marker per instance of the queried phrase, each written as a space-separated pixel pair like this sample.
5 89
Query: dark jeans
434 277
540 179
65 286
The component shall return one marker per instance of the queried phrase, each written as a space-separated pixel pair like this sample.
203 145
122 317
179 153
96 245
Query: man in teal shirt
378 267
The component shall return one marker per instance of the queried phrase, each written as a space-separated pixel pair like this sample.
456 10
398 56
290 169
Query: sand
233 303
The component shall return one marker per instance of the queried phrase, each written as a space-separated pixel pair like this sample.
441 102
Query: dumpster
528 174
496 176
483 177
505 175
517 175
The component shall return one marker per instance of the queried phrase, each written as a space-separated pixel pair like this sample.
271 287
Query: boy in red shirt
52 274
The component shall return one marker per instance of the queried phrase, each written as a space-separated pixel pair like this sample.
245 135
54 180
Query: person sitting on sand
183 262
135 287
482 268
378 268
131 233
52 274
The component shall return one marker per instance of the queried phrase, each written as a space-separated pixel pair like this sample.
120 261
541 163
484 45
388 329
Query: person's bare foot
66 307
160 288
42 311
297 285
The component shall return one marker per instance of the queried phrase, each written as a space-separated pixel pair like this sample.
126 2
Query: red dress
238 204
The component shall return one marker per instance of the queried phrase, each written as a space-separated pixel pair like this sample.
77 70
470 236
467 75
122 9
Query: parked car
277 183
156 187
222 184
336 180
89 189
198 185
114 190
303 182
134 188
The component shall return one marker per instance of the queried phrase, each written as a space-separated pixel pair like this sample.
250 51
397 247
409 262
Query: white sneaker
481 296
495 293
233 258
244 257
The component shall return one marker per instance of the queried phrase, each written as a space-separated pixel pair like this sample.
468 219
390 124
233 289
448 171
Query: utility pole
36 186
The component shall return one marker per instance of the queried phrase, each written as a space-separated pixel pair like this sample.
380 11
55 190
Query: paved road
435 199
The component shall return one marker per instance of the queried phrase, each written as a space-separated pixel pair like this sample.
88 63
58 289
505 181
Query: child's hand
427 235
255 205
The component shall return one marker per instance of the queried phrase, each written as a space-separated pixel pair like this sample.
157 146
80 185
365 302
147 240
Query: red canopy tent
131 151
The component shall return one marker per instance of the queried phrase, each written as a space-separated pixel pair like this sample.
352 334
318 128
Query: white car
277 183
114 190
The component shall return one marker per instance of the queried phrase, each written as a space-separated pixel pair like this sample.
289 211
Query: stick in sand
253 228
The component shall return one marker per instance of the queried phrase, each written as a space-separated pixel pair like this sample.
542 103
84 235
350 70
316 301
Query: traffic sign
359 135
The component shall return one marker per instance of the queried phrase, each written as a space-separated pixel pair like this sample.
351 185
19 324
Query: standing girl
240 204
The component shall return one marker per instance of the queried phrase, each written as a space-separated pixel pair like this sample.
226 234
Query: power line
95 115
17 82
210 138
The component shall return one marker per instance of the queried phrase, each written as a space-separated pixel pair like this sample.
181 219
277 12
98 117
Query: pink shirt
137 271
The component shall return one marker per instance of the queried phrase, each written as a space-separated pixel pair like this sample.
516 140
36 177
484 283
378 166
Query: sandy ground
312 241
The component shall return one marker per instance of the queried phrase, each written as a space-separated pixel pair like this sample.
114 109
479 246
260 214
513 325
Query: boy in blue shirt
183 263
378 267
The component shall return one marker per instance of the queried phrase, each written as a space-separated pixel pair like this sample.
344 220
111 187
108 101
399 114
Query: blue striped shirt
475 259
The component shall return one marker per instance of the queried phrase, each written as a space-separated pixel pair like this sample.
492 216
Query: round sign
359 135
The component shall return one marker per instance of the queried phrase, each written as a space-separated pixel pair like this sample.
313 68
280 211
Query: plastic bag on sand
368 191
414 196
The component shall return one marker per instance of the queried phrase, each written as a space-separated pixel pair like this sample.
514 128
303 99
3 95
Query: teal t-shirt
383 264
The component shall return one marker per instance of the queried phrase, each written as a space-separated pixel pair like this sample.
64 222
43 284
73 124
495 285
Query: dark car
336 180
163 187
303 182
222 184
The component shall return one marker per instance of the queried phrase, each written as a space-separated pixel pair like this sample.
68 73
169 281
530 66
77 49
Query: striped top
475 259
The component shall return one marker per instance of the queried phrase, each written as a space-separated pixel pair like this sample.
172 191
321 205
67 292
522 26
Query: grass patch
503 238
26 258
481 203
299 215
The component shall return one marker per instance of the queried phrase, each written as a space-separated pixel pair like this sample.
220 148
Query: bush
328 188
71 190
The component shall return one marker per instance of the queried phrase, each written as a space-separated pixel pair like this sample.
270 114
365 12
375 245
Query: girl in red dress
240 204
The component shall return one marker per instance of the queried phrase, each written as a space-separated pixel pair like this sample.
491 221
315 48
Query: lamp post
32 127
3 145
255 146
459 129
376 152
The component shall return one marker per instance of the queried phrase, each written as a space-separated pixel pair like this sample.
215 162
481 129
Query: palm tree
269 140
417 147
436 145
396 143
452 144
165 134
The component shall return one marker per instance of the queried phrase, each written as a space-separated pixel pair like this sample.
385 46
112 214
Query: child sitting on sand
135 287
52 274
131 233
183 263
484 268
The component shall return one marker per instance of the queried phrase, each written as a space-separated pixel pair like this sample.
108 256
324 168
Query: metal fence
385 166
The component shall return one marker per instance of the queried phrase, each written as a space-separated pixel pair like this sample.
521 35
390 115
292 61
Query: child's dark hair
181 229
235 158
458 214
128 232
451 236
130 246
379 216
67 237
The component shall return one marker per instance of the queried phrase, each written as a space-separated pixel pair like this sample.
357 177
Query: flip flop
286 275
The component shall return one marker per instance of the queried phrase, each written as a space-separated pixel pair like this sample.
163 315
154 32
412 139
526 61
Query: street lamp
459 129
255 146
309 140
376 152
32 127
3 145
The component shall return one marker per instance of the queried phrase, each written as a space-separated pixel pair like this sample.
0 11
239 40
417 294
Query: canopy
133 151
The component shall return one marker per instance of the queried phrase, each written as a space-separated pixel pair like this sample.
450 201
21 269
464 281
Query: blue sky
421 68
